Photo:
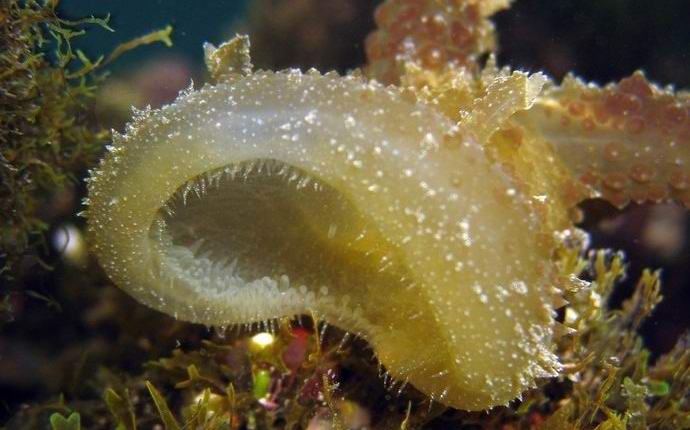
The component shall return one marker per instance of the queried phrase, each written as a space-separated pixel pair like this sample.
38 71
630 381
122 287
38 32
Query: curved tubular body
279 194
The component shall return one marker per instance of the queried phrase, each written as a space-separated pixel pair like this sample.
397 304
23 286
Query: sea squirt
279 194
422 217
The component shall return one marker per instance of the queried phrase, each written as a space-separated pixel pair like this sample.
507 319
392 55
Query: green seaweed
47 136
59 422
167 417
608 382
120 407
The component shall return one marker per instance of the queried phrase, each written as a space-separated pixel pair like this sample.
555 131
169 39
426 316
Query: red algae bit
433 34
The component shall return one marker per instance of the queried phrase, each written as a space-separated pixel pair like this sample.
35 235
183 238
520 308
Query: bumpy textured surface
283 194
433 34
628 141
422 219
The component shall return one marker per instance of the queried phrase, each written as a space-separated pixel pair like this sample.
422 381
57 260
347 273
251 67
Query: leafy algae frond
609 380
44 134
47 133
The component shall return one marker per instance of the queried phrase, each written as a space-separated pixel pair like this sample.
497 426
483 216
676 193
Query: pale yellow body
422 219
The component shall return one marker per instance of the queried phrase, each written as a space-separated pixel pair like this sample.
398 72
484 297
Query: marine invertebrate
423 218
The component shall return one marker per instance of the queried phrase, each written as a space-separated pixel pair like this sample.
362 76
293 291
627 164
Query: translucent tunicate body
281 194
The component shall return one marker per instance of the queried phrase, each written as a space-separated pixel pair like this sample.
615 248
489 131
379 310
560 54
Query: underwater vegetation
43 133
431 220
47 135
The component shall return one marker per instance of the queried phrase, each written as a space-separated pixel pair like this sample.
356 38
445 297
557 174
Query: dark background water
600 40
194 22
